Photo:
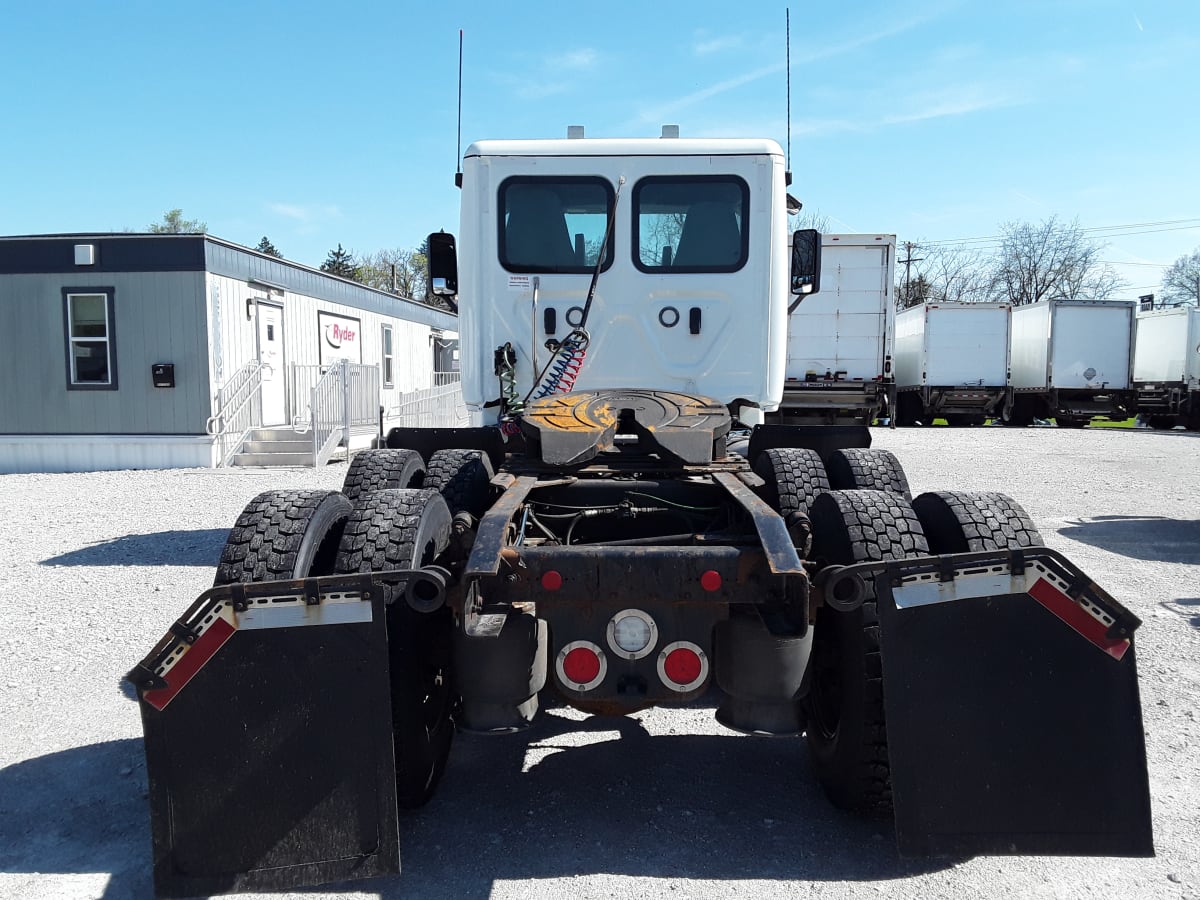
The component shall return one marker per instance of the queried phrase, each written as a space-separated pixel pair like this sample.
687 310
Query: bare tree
814 219
1051 261
957 275
1181 282
376 270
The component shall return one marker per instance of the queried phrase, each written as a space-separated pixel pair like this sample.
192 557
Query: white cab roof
628 147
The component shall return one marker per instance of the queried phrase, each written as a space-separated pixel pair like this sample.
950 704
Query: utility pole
909 247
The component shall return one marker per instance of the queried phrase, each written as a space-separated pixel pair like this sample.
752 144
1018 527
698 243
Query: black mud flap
1013 718
266 713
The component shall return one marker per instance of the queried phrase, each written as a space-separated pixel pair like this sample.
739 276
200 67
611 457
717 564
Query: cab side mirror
806 261
441 271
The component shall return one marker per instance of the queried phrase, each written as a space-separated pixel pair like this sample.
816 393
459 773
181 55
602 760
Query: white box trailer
951 362
1166 366
838 363
1072 360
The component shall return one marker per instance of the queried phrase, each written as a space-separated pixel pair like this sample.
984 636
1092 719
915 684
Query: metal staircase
281 446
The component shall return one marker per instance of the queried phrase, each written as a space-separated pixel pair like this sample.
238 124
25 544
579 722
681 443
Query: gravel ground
100 563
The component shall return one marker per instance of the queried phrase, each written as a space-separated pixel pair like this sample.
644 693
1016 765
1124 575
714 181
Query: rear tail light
581 665
682 666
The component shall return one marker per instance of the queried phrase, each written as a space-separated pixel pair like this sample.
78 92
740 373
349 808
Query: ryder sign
340 337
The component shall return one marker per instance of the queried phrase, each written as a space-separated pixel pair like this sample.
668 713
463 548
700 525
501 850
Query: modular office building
116 348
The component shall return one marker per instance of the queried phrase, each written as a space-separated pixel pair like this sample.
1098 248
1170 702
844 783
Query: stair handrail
327 408
237 413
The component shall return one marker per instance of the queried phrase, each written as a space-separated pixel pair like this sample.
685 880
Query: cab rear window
554 224
690 223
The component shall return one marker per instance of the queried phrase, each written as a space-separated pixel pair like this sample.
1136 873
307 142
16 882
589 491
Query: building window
690 223
90 339
389 378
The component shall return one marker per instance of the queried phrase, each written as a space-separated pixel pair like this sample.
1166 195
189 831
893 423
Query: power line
1181 225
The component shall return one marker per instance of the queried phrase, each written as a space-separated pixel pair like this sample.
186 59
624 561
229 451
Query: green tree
1181 282
265 246
341 263
173 222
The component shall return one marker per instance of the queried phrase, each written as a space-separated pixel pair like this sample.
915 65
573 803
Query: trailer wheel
1162 423
463 477
1072 421
971 522
861 468
794 478
377 470
846 730
406 529
282 535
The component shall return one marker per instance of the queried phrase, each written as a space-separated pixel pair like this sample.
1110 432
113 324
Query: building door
274 374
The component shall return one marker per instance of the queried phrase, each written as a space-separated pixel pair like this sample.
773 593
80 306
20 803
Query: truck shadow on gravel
82 810
628 804
637 805
1151 538
199 547
1187 608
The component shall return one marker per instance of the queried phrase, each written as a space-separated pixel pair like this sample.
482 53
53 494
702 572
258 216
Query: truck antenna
787 55
458 136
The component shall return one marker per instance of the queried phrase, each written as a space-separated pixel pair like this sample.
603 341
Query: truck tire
970 522
846 729
377 470
282 535
1072 421
1162 423
862 468
794 478
462 477
406 529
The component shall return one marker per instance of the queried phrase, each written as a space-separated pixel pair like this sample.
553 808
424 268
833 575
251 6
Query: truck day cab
604 534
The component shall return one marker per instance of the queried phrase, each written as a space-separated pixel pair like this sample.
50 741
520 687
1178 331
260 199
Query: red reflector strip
191 662
1079 619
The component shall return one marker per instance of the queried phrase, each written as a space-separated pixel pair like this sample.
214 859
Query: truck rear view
1072 360
839 367
1166 367
619 531
952 362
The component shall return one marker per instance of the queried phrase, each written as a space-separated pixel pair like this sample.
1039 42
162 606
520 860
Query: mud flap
1013 718
268 739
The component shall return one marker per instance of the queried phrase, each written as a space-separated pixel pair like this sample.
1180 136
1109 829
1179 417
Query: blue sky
318 123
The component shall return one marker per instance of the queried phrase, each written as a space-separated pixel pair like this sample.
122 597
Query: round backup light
581 665
632 634
682 666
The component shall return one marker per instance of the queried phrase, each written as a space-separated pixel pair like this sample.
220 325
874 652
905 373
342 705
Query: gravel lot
100 564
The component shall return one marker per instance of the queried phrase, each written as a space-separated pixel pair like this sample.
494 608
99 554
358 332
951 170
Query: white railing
440 406
238 410
342 396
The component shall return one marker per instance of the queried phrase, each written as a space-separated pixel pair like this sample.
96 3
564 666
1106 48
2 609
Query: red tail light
682 666
581 665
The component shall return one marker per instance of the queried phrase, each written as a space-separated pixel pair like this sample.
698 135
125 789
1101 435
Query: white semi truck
1166 367
839 365
952 362
624 306
1072 360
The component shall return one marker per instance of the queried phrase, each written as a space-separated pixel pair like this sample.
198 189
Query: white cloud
307 217
951 102
583 58
669 110
707 46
